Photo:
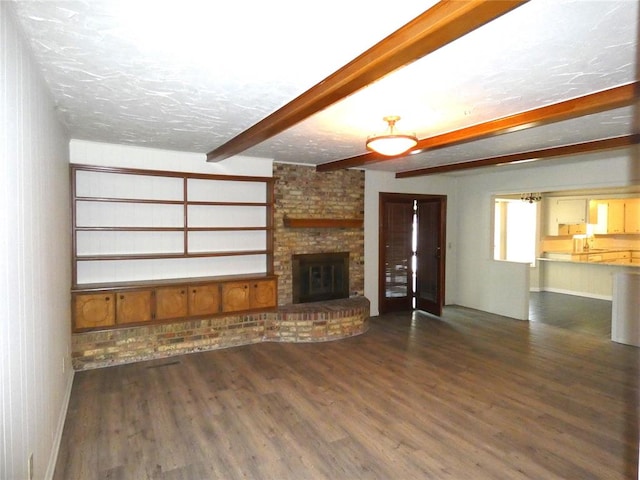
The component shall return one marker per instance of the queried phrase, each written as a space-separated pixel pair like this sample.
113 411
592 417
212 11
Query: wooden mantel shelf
323 222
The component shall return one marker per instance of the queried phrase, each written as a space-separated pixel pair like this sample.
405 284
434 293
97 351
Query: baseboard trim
578 294
53 458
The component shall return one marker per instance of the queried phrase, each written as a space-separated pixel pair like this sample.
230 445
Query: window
514 236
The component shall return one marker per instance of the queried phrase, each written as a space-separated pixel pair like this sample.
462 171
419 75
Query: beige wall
377 182
474 280
35 366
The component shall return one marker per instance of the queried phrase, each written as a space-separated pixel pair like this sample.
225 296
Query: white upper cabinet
565 211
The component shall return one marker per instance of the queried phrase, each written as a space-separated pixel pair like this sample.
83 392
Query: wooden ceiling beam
622 96
445 22
544 153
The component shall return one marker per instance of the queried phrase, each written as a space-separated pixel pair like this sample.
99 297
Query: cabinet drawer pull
121 297
106 299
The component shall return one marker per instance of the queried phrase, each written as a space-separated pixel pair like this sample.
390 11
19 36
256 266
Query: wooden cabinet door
94 310
235 296
262 294
578 229
571 211
204 299
171 302
615 216
632 215
133 307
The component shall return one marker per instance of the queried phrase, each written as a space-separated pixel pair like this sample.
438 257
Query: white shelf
135 224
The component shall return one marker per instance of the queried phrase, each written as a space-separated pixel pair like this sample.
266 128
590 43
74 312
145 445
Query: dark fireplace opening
320 276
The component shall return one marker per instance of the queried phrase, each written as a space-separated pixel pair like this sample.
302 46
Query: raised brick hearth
305 322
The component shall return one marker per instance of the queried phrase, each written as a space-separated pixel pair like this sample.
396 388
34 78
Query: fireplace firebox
320 276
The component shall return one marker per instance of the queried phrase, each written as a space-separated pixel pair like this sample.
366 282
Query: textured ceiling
191 75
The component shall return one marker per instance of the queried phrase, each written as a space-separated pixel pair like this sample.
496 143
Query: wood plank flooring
467 396
579 314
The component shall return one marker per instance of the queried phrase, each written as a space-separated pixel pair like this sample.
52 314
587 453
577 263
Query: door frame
387 196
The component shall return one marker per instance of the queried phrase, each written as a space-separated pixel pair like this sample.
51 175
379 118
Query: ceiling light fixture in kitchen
531 197
392 143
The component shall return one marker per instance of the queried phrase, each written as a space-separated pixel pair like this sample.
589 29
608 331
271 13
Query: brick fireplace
320 276
301 192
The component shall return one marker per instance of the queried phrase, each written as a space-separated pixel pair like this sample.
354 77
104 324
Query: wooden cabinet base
133 307
104 306
171 302
204 299
95 310
263 293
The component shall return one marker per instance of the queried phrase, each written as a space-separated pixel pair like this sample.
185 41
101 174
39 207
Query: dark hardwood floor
467 396
579 314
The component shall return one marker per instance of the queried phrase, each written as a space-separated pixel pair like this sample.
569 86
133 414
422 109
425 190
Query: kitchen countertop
594 251
593 257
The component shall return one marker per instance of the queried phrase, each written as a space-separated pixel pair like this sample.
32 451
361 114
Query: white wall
479 283
473 279
35 373
125 156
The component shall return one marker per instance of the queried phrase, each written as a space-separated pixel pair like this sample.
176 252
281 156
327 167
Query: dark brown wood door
395 286
430 256
411 255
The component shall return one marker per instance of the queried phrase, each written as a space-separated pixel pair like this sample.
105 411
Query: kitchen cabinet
621 257
133 307
570 210
615 215
577 229
632 215
562 212
94 310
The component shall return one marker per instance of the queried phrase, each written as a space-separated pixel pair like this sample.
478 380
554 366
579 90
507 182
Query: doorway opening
412 236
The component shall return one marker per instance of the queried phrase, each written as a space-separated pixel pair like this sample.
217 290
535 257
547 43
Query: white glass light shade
390 145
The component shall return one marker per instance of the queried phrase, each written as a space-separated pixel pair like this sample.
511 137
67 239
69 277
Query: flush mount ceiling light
391 143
